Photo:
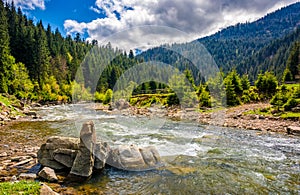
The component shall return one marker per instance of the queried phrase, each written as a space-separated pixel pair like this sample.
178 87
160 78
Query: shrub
172 99
291 103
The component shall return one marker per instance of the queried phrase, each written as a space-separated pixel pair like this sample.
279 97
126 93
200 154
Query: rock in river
84 161
133 158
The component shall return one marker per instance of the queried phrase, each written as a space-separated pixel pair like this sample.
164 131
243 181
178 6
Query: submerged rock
133 158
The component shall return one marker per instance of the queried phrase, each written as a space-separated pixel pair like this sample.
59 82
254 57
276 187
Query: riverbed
197 159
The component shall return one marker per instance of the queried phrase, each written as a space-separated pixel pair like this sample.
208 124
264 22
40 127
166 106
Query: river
196 159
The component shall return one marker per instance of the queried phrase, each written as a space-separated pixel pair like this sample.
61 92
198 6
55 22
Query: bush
291 103
99 97
172 99
108 96
204 99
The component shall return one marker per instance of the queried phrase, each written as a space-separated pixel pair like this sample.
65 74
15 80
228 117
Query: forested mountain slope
251 47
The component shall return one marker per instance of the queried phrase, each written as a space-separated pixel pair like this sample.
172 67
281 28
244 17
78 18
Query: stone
150 155
22 163
46 190
31 113
133 158
13 179
296 109
65 156
84 161
27 176
48 174
3 154
55 149
101 153
293 130
122 104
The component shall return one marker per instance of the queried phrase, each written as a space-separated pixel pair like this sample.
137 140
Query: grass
290 115
22 187
4 100
292 86
263 112
281 114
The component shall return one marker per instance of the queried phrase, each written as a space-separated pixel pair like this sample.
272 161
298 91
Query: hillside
250 47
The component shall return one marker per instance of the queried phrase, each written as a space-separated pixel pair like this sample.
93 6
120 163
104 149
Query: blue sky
56 12
100 19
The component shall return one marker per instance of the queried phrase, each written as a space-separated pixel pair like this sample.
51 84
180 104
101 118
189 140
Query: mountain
250 47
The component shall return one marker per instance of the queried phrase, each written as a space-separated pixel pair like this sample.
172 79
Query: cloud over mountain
196 18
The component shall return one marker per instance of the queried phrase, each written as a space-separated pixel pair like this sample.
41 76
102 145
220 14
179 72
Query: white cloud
29 4
196 18
95 9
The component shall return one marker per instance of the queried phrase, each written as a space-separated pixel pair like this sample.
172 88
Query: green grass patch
290 115
22 187
261 111
292 86
5 100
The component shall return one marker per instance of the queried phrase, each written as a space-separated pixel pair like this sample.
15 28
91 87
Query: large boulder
53 153
133 158
84 161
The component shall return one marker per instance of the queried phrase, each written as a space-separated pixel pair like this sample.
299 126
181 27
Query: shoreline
233 117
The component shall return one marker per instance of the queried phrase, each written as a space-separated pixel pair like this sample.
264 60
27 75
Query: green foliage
291 103
250 95
6 60
80 93
293 62
245 82
172 99
287 76
233 88
22 187
108 96
21 85
204 97
99 97
266 84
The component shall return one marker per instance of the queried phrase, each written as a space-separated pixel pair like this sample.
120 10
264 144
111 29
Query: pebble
21 163
30 176
3 154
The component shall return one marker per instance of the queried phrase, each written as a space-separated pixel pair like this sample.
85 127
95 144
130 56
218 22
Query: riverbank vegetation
20 187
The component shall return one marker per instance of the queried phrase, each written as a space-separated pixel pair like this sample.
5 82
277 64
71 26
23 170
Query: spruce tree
6 60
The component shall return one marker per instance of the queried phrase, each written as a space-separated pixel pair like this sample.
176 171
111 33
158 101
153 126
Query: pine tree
6 60
42 54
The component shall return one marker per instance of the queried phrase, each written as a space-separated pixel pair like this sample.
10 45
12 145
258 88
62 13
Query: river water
196 159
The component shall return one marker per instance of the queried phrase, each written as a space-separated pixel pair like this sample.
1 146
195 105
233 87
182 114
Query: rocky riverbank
235 117
12 109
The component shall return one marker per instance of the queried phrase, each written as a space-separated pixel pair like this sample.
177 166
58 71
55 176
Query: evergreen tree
245 82
6 60
41 57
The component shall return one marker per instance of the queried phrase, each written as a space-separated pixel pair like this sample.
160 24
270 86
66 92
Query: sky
145 21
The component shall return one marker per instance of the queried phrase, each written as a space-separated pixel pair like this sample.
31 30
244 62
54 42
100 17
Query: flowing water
196 159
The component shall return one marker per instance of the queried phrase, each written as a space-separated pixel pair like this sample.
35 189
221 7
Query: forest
38 64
